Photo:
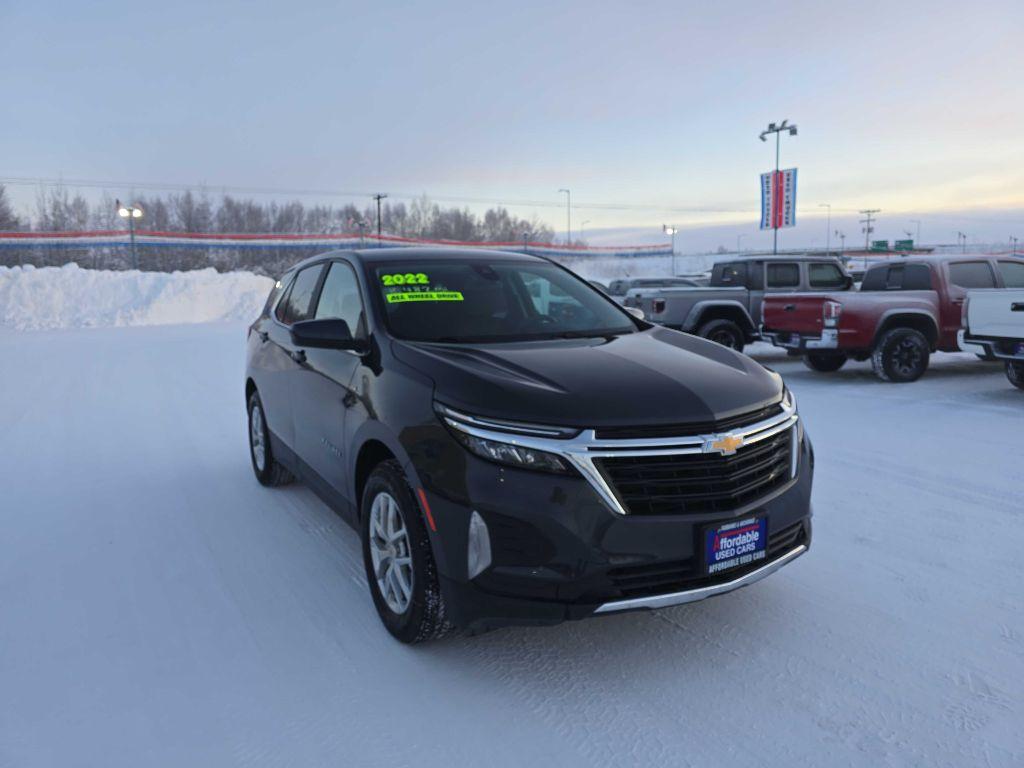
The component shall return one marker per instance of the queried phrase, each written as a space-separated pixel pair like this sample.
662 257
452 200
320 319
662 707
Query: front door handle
298 355
263 335
1017 306
790 307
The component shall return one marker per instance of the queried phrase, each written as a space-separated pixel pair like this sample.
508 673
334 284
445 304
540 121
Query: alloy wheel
256 437
907 357
391 553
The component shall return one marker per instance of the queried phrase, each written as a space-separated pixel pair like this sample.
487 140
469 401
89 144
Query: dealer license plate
733 545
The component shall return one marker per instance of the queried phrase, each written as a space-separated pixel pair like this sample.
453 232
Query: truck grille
698 483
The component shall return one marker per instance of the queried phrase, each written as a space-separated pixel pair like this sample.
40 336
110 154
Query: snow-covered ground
160 608
72 297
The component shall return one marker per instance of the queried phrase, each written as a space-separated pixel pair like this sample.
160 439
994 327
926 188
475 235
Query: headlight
788 399
510 452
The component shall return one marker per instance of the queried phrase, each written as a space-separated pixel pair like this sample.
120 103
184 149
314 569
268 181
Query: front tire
1015 373
724 332
267 469
400 569
901 355
824 362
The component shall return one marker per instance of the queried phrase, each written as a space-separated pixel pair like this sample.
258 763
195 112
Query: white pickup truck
993 326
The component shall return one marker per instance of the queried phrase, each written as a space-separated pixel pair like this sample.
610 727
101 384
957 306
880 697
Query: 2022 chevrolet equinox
514 447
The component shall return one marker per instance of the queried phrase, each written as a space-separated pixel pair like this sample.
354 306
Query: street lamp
582 226
918 223
828 227
568 215
842 244
739 239
1013 245
671 231
130 212
961 240
777 130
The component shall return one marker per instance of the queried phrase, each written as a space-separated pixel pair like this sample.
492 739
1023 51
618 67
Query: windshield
478 301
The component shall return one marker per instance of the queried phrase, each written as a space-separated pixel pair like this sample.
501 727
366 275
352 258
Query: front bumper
829 339
559 551
1004 349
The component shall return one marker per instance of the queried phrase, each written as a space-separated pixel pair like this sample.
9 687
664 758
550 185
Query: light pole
842 244
961 240
918 223
130 212
378 197
1013 245
739 239
582 226
568 215
777 130
672 232
828 227
526 241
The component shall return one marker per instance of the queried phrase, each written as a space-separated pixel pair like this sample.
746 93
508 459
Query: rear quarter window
825 276
898 277
1013 273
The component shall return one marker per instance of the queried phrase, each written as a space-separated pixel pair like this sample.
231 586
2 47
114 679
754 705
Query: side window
894 280
280 295
297 305
617 287
340 298
825 276
784 275
1013 273
875 279
733 275
972 274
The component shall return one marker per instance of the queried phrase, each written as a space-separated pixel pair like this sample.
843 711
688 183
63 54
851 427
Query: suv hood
656 376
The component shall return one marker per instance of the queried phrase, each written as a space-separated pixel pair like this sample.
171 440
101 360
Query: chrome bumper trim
701 593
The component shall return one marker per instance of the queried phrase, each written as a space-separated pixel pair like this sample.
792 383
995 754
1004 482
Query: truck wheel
1015 373
724 332
268 471
824 362
400 568
901 355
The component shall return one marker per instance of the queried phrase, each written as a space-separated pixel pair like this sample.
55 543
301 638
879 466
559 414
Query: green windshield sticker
400 296
409 278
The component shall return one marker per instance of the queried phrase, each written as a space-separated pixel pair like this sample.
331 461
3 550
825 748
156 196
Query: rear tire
724 332
267 469
901 355
1015 373
824 362
414 612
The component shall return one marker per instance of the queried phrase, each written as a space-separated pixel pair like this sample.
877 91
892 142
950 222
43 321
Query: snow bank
72 297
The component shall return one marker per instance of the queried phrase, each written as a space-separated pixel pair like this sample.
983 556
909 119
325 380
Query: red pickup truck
905 310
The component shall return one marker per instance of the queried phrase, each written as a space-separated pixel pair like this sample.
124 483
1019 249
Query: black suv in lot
513 446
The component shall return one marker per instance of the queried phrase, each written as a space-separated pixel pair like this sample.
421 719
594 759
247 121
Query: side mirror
636 312
328 333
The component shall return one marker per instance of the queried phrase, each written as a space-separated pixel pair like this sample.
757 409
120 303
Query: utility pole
378 197
777 130
568 216
867 222
828 227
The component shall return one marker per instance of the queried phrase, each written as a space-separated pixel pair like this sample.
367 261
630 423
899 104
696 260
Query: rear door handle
790 307
298 355
1017 306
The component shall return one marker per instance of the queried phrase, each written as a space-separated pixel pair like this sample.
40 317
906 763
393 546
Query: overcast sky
912 107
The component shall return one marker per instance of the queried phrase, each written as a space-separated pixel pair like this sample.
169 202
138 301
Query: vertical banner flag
778 199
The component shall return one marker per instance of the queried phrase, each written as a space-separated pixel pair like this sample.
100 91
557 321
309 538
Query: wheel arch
705 311
901 318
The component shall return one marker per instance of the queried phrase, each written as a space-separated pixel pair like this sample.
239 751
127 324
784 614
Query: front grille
693 428
678 575
699 483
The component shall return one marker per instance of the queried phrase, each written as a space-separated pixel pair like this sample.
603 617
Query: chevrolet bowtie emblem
724 444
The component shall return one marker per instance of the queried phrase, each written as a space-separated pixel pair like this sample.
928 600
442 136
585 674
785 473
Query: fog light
478 550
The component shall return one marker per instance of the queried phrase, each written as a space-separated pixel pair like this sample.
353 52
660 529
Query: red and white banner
778 199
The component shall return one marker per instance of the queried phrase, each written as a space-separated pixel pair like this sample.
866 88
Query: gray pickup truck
728 311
